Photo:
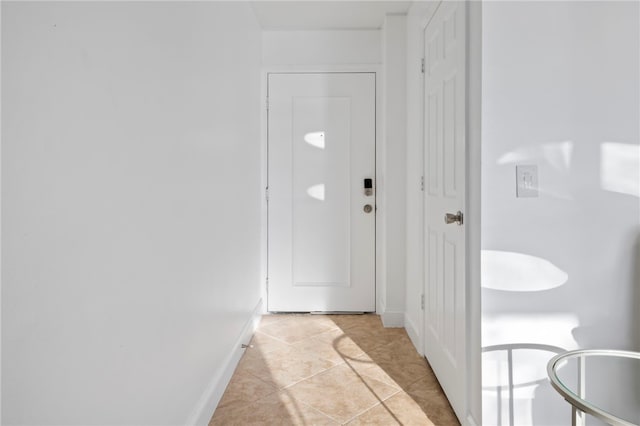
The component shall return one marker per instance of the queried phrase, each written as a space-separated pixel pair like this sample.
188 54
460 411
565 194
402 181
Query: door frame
380 230
472 215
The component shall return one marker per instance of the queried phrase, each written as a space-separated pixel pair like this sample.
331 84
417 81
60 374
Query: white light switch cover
526 181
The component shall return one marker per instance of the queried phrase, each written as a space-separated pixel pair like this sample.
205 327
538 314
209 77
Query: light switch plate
526 181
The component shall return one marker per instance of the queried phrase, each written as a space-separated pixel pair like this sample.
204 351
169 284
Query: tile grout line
359 378
316 410
310 377
270 336
380 402
292 343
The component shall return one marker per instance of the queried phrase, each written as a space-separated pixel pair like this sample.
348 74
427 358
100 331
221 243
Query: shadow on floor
329 370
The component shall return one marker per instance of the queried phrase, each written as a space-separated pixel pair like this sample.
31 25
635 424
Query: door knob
367 208
453 218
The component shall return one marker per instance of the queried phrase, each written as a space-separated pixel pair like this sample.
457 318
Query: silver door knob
453 218
367 208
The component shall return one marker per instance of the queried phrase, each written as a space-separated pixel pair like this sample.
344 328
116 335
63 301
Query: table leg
577 417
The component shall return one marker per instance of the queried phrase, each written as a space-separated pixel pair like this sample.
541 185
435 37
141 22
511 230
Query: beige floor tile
245 388
295 328
396 369
332 345
230 414
283 367
340 393
398 339
405 373
425 387
275 409
367 368
433 402
270 319
365 337
316 369
400 409
348 321
394 364
378 387
265 343
252 361
394 352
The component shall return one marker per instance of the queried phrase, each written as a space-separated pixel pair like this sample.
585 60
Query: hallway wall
392 165
560 91
286 48
130 207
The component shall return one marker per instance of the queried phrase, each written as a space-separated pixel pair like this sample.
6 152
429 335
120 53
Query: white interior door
321 149
444 148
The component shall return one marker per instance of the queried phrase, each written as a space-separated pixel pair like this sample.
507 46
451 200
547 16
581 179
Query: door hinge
266 284
266 103
266 193
421 183
422 65
422 301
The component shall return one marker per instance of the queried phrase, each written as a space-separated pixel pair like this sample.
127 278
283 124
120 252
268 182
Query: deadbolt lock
367 208
368 187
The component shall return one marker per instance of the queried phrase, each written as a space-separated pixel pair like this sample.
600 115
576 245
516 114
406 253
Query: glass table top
602 383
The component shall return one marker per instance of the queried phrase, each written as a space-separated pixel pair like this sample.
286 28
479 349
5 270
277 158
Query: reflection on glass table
604 384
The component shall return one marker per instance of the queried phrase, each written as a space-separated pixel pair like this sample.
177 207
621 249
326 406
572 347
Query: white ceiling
325 15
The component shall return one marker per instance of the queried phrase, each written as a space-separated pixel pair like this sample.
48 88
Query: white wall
321 47
131 203
560 91
392 176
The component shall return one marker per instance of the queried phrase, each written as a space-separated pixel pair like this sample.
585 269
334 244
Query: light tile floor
332 370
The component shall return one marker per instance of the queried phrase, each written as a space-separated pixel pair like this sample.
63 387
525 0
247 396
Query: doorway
321 133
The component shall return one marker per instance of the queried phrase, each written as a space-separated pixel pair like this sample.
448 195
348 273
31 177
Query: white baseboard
209 400
414 334
393 319
380 308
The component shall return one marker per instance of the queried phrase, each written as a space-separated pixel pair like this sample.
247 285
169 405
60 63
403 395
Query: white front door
444 163
321 218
